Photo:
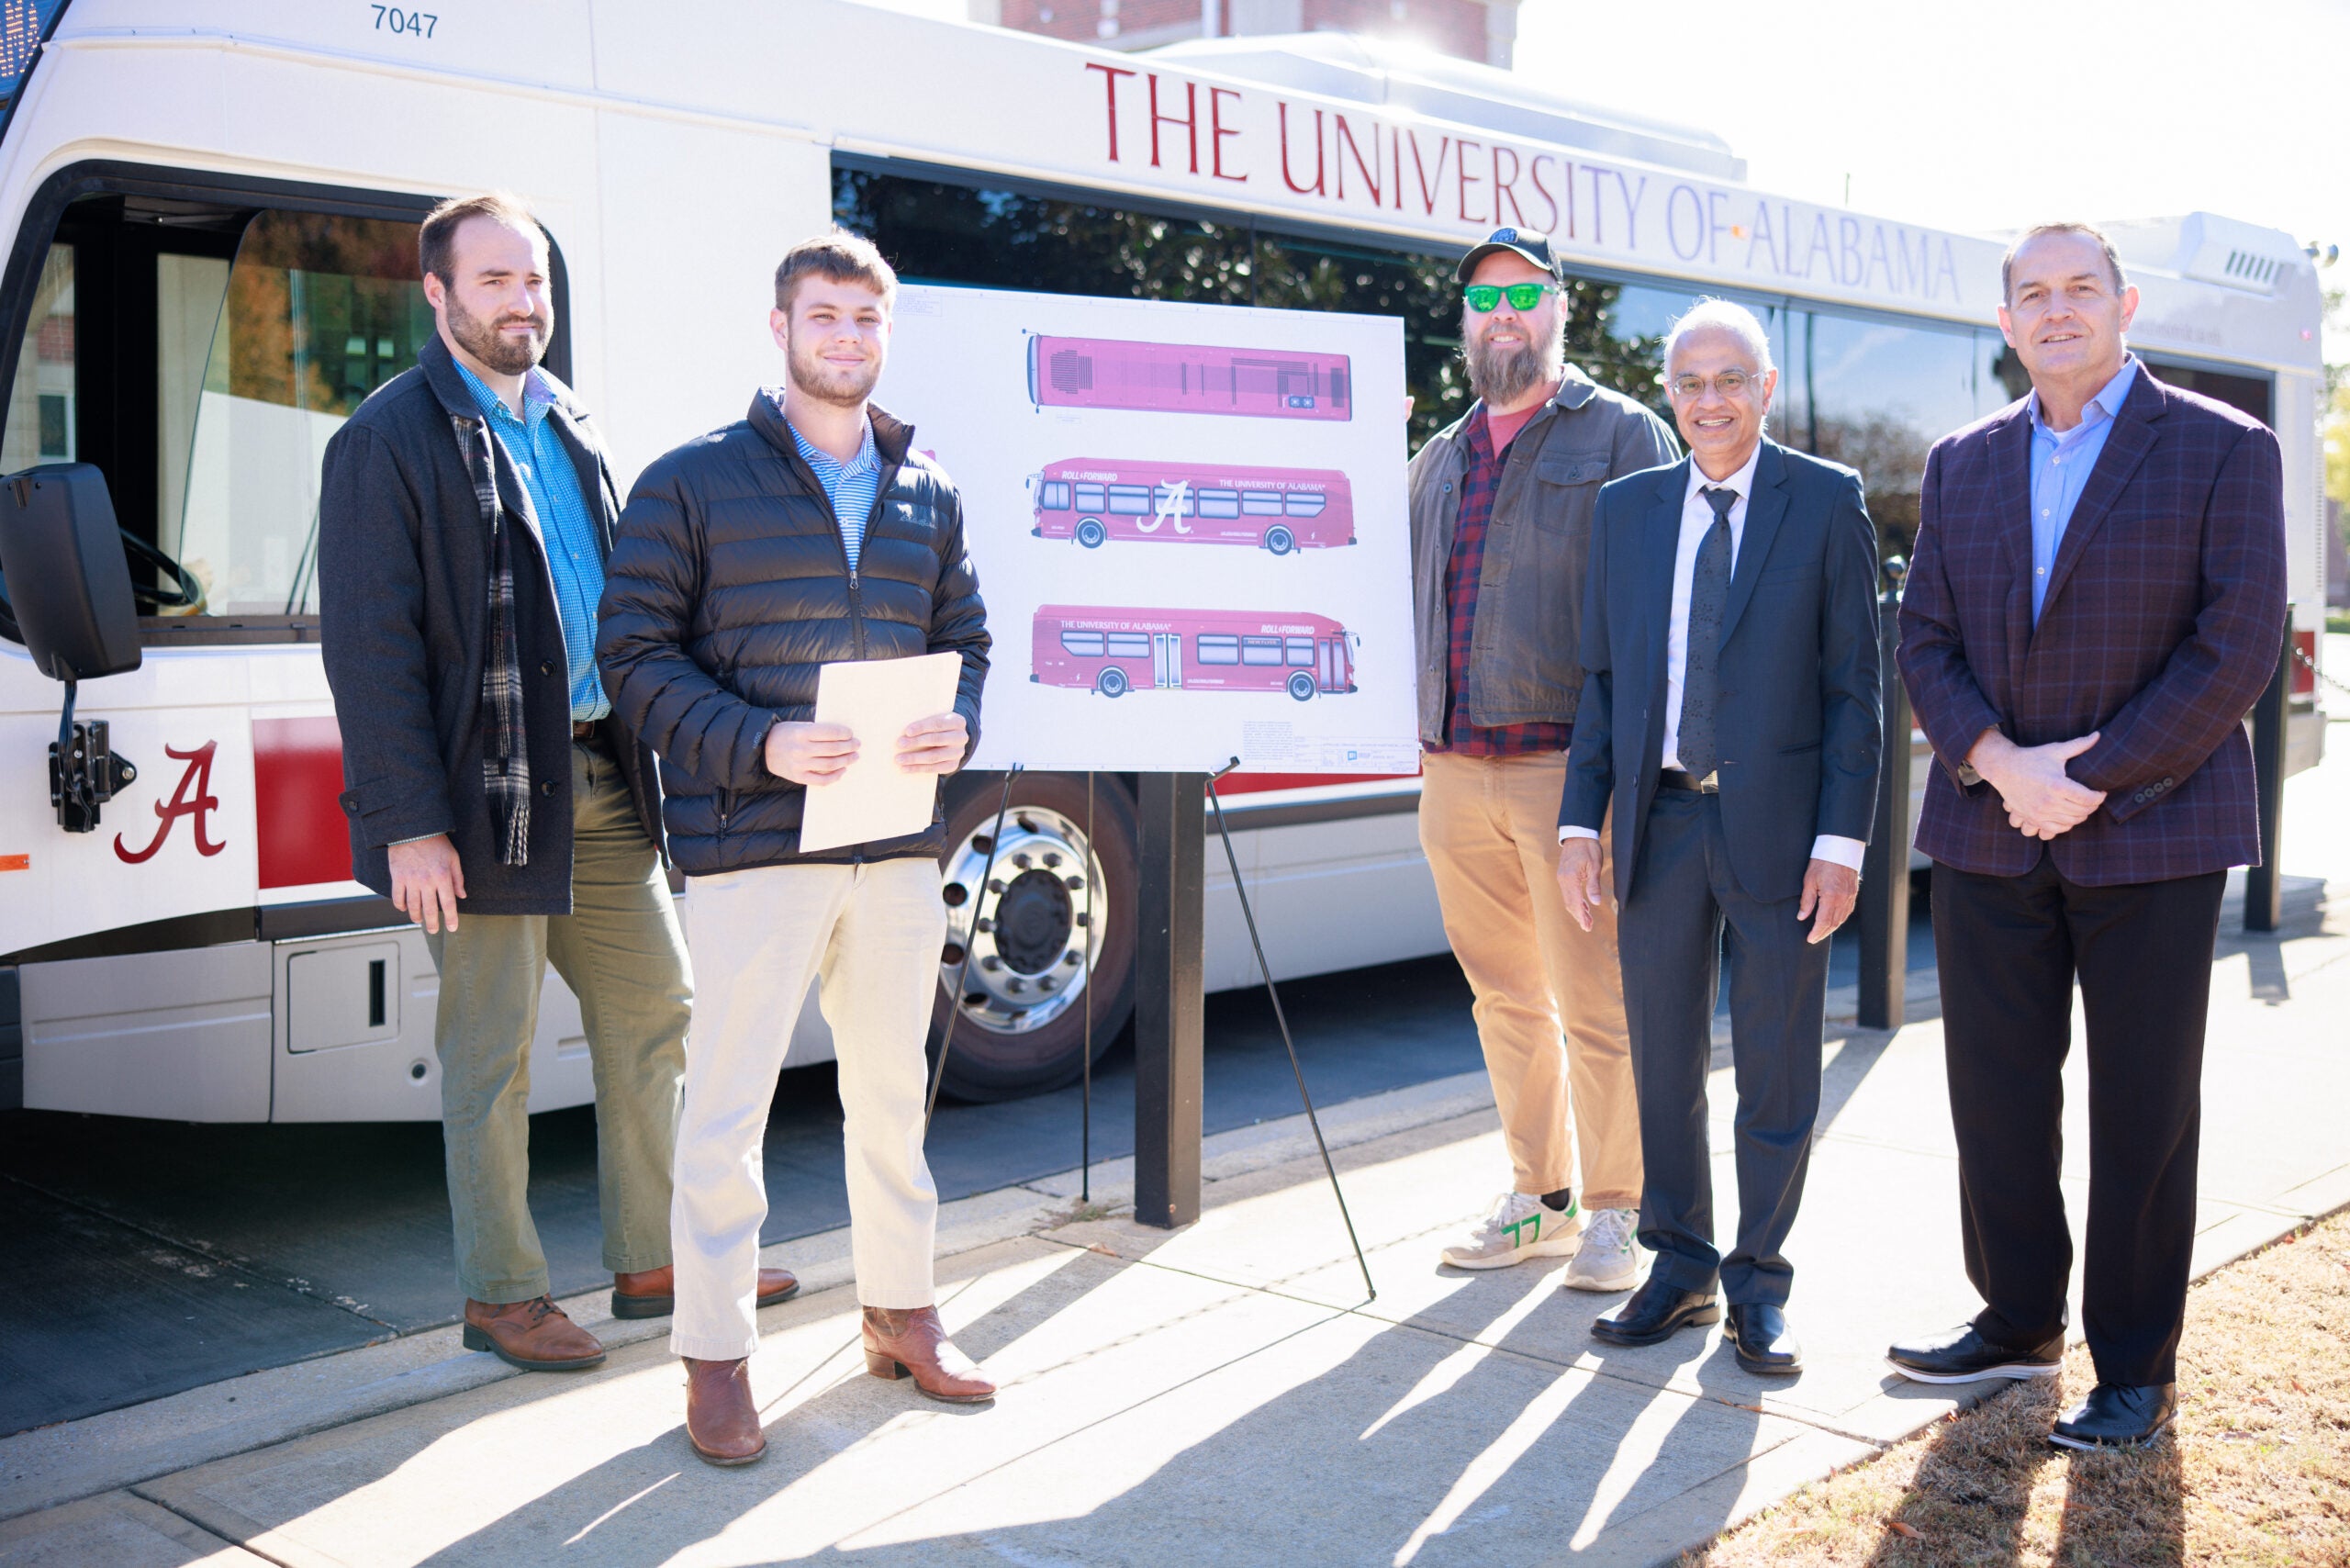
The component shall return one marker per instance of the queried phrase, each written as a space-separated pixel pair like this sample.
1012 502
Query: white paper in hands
877 699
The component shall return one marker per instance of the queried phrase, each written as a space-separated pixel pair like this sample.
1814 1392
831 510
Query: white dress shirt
1696 520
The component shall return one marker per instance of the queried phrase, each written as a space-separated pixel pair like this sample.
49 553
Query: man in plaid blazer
2096 599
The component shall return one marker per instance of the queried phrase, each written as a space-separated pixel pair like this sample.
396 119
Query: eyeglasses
1482 297
1730 384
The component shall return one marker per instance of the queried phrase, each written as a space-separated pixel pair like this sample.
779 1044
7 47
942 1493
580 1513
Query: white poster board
1188 522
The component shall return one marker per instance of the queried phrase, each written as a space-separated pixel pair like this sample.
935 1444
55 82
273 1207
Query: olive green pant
623 955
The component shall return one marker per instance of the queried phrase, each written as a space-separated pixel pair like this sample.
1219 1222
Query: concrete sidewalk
1225 1394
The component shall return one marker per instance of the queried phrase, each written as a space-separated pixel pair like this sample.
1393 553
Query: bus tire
1112 682
1280 540
1302 687
1090 533
998 1063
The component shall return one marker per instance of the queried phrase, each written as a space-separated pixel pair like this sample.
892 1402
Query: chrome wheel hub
1027 929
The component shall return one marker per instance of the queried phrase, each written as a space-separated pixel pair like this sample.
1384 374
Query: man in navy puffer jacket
808 532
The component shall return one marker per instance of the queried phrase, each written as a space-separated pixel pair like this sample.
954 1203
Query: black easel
1233 860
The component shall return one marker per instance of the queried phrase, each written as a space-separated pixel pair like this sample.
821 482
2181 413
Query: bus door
1334 665
1167 659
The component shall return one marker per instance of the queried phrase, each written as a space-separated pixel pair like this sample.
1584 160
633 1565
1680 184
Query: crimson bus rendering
1184 378
208 213
1092 500
1114 651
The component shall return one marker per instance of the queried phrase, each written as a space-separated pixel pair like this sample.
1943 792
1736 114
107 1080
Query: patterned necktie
1701 671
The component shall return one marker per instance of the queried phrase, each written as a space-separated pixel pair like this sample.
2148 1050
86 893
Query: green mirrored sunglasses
1485 297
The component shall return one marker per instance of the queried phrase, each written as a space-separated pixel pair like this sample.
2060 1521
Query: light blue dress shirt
2061 464
850 485
567 531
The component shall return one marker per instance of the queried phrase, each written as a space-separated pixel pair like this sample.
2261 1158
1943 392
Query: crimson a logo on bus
192 799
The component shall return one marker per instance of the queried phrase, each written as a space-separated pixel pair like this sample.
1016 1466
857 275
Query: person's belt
1688 784
587 728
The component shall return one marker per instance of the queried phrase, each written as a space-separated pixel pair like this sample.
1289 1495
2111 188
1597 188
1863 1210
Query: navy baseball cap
1535 248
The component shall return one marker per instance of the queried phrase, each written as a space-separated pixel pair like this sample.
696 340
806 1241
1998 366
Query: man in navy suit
1731 711
2098 597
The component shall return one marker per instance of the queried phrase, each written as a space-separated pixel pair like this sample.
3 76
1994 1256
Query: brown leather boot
912 1342
652 1292
534 1335
721 1419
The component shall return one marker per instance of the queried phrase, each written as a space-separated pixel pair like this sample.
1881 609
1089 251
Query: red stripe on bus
1257 783
302 834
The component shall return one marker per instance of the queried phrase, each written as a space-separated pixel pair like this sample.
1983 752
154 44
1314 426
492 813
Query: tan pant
1490 827
622 952
871 933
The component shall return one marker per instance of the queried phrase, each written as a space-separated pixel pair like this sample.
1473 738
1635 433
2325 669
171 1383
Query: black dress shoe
2118 1415
1656 1310
1962 1355
1758 1331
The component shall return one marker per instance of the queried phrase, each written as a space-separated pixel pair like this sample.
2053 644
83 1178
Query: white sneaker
1609 1258
1519 1227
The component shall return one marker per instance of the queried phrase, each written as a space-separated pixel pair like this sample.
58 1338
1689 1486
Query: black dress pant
1684 899
2009 949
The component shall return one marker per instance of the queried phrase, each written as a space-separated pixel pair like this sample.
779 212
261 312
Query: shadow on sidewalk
1410 1448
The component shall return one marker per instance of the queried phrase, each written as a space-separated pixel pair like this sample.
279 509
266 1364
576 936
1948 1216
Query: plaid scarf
505 754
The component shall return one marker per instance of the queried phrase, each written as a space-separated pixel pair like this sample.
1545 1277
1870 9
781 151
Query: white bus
208 208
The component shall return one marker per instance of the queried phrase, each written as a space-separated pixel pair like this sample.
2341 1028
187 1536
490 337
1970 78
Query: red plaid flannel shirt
1479 484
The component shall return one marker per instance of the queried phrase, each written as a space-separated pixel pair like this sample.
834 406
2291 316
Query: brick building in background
1481 30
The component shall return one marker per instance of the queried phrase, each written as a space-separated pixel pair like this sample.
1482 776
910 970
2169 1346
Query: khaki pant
873 933
1490 827
622 952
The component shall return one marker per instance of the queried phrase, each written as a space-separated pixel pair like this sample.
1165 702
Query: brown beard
814 378
485 342
1504 375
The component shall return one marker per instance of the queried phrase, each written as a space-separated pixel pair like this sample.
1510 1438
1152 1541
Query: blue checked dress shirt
2061 464
567 532
851 485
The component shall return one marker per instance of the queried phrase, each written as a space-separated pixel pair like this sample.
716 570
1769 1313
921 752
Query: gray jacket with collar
1523 664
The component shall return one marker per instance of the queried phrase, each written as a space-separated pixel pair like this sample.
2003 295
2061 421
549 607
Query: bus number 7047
415 24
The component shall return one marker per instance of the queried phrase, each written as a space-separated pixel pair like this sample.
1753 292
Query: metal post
1884 869
1168 972
2264 885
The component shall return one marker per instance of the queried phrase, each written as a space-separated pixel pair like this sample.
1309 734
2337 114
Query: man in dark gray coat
1730 727
462 526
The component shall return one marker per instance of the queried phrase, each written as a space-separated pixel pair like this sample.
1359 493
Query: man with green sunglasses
1501 509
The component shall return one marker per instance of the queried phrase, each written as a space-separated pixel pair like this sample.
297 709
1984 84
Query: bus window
1054 496
1881 393
1130 500
1304 503
1167 495
1211 648
1261 503
1301 652
1130 644
1088 497
1084 644
1261 650
1219 503
41 405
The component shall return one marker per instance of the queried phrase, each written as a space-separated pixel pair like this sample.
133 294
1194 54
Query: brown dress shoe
652 1292
912 1342
721 1419
534 1335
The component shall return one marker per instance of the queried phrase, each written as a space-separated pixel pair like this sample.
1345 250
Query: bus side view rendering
209 212
1281 510
1114 651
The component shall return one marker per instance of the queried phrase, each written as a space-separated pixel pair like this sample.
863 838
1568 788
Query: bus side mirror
71 602
70 584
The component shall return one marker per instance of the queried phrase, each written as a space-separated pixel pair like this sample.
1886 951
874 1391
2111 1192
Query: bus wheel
1090 533
1300 686
1280 540
1110 682
1020 1028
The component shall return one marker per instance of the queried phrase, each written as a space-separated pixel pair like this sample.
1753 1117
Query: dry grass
2258 1472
